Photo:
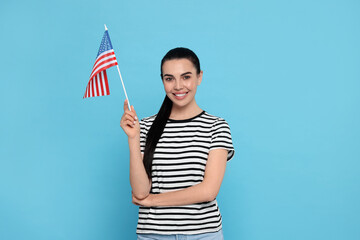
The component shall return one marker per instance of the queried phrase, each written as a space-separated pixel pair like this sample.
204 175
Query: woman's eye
168 79
186 77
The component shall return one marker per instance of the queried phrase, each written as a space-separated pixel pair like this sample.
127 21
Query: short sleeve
143 135
221 137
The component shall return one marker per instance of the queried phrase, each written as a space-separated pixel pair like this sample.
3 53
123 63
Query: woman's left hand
146 202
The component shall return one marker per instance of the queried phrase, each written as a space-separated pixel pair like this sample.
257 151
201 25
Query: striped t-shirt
179 162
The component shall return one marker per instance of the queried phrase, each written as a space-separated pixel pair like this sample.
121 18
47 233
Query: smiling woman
178 157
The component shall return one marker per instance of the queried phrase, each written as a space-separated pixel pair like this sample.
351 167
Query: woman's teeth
180 95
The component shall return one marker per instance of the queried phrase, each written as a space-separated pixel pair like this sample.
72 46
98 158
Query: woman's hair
162 116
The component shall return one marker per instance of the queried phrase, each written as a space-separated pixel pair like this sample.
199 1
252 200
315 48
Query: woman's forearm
195 194
139 181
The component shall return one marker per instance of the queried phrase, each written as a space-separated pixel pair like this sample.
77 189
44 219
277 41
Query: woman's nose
178 84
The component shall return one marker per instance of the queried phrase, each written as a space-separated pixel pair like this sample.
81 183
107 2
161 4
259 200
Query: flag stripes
103 62
98 79
98 86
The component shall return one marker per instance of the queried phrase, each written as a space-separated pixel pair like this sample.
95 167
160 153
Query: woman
178 158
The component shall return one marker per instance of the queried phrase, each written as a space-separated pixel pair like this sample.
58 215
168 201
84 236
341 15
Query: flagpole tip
105 27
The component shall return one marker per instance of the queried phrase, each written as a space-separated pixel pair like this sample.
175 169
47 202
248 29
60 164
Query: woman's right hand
129 122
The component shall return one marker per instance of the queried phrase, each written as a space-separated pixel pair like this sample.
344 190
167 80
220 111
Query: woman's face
180 81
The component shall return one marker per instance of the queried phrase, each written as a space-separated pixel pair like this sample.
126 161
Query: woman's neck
184 112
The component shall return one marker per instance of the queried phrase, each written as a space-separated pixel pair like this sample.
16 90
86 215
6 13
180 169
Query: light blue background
284 74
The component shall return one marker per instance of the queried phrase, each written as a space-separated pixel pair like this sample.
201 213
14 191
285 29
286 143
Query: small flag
98 83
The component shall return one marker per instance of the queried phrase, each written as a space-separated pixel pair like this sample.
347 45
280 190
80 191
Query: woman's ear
199 77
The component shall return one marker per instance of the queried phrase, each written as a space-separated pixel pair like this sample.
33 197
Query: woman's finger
126 105
127 121
129 118
134 112
128 112
130 123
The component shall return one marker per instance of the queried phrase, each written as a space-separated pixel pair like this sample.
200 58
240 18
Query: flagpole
123 87
122 82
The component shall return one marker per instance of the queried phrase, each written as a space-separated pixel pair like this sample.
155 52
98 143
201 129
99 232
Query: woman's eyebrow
168 75
186 73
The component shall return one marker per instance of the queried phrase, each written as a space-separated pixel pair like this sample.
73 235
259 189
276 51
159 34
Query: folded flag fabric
98 83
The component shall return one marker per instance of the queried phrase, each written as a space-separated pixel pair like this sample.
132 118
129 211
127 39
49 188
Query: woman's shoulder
146 122
212 117
216 121
149 119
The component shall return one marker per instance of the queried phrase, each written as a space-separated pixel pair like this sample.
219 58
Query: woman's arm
139 181
205 191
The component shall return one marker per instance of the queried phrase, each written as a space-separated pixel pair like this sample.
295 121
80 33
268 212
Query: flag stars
105 44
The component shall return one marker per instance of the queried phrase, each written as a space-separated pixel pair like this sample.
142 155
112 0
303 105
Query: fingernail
135 117
134 122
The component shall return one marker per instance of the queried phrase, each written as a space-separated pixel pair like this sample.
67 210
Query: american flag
98 83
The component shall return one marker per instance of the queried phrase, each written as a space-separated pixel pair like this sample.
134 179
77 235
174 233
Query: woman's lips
180 96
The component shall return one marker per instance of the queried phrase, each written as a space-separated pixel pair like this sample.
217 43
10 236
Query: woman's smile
180 96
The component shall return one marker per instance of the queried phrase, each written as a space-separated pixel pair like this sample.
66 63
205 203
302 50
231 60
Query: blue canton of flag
105 44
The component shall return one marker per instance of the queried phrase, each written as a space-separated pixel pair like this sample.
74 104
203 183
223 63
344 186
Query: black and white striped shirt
179 162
